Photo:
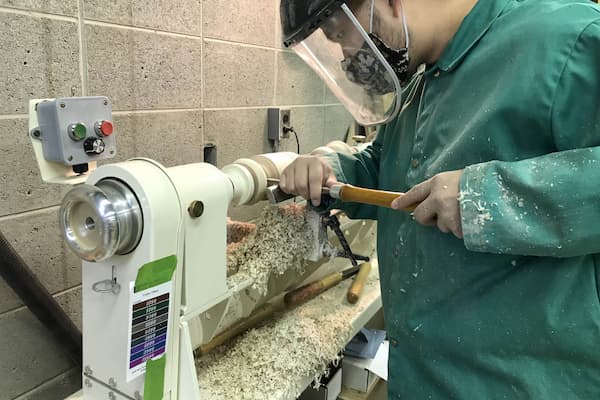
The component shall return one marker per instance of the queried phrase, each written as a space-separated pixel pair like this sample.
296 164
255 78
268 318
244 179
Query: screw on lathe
196 209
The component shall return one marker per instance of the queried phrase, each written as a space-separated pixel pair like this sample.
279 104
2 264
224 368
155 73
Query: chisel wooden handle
382 198
359 283
263 313
312 290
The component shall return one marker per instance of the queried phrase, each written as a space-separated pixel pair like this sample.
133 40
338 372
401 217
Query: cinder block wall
180 73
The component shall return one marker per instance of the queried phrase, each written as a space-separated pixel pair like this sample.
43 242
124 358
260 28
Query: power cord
287 130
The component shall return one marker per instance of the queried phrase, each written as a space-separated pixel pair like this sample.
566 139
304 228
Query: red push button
104 128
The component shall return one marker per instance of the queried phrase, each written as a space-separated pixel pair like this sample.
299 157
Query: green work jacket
513 310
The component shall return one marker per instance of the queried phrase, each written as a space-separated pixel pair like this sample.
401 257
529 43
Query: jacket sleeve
360 169
549 205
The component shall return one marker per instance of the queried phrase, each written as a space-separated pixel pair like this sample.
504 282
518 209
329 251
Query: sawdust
238 231
273 360
280 241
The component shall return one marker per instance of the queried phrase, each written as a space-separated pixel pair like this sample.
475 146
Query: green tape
155 273
154 383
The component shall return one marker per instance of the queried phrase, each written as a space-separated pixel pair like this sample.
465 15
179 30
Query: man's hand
305 176
439 204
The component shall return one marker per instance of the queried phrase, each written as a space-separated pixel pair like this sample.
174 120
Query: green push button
77 131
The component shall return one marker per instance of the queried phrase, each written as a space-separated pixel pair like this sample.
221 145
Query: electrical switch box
75 131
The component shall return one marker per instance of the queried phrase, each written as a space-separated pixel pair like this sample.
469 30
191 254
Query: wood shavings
272 361
238 231
280 242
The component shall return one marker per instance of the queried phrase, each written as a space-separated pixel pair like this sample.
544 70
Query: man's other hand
439 202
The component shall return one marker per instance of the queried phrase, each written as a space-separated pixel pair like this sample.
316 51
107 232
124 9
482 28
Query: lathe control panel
75 131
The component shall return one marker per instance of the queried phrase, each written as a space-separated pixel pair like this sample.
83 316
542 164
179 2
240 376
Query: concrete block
171 138
145 70
245 21
337 122
21 186
237 76
36 237
8 298
297 84
308 123
237 133
330 97
59 387
180 16
278 30
62 7
70 301
40 58
30 355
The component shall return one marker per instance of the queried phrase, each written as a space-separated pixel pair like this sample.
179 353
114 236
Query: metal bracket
331 221
108 285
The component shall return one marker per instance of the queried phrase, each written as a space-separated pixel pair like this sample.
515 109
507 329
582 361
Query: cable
288 130
297 141
291 129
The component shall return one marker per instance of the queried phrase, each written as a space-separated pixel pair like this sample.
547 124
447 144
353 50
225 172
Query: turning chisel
343 192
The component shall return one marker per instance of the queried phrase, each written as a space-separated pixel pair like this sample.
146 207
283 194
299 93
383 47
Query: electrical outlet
286 122
279 123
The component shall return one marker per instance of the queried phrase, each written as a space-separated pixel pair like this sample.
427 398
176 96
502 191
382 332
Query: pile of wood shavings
271 361
238 231
280 242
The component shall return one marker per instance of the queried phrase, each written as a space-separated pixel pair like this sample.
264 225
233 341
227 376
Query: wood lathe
153 244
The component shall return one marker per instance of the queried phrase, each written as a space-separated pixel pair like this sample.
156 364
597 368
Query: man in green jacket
491 289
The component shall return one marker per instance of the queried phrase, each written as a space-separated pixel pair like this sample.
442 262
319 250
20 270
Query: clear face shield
344 56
